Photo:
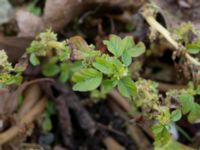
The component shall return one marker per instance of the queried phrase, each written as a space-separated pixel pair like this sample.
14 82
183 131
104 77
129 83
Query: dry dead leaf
29 24
58 13
14 46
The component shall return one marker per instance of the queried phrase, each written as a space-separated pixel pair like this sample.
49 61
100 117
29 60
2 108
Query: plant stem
157 26
55 44
184 133
111 144
164 87
122 102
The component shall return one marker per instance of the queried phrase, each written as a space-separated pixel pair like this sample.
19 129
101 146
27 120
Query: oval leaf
34 60
137 50
50 70
103 65
114 45
127 87
176 115
86 79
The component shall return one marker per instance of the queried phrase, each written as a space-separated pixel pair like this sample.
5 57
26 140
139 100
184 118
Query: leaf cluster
107 71
99 73
56 53
8 74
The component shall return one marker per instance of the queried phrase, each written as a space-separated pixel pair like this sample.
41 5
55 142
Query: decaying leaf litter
44 113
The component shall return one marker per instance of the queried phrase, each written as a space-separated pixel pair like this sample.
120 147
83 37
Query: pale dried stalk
31 96
121 101
111 144
167 35
24 122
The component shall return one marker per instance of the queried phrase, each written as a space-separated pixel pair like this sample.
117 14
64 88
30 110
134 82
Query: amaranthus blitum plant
94 71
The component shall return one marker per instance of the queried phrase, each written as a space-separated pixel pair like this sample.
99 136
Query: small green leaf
114 45
50 108
137 50
128 43
193 48
127 87
50 70
34 60
47 124
103 65
86 79
33 8
157 128
176 115
198 90
108 85
161 135
194 114
64 72
187 102
76 66
131 50
126 58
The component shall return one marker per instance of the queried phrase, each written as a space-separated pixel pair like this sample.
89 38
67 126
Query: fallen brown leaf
14 46
58 13
29 24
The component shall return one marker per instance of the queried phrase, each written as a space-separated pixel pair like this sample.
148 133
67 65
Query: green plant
47 46
32 7
107 71
99 73
8 74
49 111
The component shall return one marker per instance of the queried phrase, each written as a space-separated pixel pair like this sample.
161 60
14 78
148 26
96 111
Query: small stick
26 120
112 144
124 103
32 94
164 87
